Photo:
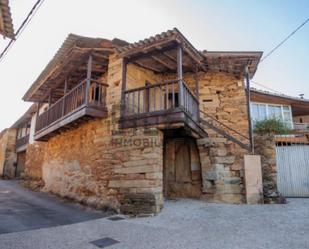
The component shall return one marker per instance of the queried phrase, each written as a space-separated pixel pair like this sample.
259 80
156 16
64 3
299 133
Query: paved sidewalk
185 224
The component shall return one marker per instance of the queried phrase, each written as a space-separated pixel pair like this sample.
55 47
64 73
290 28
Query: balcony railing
169 102
20 142
300 126
75 100
161 97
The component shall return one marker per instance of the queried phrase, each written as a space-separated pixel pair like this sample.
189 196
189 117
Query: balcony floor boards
70 121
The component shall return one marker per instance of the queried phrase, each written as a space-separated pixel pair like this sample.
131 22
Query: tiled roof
6 22
71 42
278 95
173 34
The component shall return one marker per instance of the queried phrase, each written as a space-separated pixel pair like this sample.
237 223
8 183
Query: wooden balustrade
161 97
73 101
22 141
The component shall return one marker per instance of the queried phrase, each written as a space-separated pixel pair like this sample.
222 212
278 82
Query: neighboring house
6 23
23 130
13 145
291 110
124 125
7 153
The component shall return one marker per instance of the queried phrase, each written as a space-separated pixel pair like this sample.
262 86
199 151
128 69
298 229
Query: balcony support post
88 80
49 98
180 74
197 85
37 115
123 86
64 93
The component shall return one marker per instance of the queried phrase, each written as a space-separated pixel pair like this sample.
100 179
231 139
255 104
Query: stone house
124 125
7 153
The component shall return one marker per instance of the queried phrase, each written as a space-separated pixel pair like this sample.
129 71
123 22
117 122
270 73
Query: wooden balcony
83 102
21 143
166 104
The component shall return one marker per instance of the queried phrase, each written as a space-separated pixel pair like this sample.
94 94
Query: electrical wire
284 40
266 87
24 24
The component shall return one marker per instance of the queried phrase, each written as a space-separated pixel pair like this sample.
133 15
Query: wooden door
182 173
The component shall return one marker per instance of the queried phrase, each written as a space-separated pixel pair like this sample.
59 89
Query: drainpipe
247 77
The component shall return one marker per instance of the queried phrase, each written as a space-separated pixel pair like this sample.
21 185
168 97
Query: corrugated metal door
293 170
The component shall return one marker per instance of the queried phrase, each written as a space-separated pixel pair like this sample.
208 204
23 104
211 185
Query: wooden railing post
64 93
37 116
123 86
180 75
88 80
197 85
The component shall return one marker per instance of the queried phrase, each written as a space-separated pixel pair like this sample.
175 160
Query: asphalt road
22 209
182 224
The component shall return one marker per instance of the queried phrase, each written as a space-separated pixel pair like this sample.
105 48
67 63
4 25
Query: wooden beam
175 59
162 62
133 52
180 74
123 86
89 66
50 98
146 67
143 54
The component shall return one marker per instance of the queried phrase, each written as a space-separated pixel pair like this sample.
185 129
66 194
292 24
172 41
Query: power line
275 48
24 24
266 87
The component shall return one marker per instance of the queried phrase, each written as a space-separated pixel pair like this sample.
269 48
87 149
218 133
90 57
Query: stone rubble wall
7 153
224 97
222 170
101 165
265 146
35 154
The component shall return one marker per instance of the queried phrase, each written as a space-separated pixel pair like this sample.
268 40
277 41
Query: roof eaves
6 22
278 95
167 35
70 43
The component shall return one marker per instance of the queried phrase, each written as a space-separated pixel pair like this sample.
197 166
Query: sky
222 25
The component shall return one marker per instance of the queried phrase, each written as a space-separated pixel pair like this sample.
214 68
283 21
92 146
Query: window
258 112
261 111
274 111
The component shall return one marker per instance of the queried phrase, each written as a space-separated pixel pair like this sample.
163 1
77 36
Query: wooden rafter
164 63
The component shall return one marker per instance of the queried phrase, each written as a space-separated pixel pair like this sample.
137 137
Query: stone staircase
211 124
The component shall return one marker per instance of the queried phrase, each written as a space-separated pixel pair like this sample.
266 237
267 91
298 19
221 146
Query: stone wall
265 146
7 153
223 96
101 165
34 160
222 170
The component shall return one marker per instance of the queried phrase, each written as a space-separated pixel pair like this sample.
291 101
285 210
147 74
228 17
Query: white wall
33 122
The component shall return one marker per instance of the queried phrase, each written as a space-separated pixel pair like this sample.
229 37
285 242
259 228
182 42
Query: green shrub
274 126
